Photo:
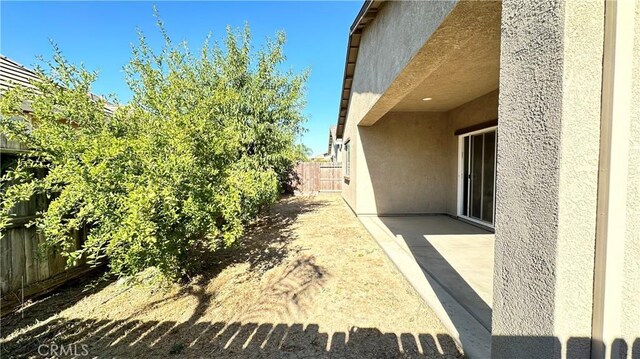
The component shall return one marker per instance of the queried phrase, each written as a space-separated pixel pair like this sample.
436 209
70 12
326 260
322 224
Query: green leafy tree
206 141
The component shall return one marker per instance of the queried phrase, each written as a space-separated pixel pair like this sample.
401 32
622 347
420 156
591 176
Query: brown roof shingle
13 74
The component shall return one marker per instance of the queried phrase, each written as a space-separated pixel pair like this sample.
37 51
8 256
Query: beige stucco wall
385 32
403 167
408 161
393 38
547 183
547 175
392 48
482 109
349 185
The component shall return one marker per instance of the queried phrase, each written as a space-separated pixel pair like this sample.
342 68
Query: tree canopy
206 141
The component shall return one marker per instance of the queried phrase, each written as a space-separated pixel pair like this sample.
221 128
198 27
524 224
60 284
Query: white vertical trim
482 180
468 174
347 158
495 173
617 77
460 174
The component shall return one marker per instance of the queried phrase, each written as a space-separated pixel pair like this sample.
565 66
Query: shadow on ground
266 242
265 245
290 287
105 338
41 308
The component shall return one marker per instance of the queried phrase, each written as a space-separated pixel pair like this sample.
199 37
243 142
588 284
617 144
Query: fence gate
319 177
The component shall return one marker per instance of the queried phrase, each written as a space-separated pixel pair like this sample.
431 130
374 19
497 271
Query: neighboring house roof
13 74
365 16
332 137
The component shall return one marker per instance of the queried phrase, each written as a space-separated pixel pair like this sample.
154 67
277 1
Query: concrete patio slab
440 240
450 263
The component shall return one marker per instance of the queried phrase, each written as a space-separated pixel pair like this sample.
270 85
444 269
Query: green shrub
204 143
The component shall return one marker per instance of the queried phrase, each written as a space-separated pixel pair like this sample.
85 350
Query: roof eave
367 13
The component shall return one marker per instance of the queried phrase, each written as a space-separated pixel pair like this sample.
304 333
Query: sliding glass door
477 178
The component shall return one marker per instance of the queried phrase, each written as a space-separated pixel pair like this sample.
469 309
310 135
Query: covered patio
420 125
472 112
450 264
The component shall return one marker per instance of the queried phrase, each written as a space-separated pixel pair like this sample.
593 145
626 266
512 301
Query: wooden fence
24 264
316 177
25 268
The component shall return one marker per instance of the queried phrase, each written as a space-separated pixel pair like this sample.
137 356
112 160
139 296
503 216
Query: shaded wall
403 167
349 184
479 110
388 44
407 163
401 29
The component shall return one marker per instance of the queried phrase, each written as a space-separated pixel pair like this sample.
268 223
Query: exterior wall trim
613 177
367 14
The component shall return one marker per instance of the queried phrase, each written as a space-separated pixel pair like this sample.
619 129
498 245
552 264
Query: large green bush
202 146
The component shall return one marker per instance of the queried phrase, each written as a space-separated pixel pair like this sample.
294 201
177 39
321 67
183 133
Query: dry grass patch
307 281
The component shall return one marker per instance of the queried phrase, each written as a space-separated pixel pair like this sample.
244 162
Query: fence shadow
105 338
550 347
265 244
122 338
42 307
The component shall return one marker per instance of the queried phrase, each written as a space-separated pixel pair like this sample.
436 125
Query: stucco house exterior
512 128
334 149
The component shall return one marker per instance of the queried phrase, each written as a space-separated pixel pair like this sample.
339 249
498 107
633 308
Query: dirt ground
308 281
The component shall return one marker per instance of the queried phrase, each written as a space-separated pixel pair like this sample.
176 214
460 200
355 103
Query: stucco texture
386 47
547 172
549 110
388 44
480 110
407 162
349 185
405 168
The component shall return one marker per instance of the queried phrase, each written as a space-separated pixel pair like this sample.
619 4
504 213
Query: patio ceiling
470 71
459 62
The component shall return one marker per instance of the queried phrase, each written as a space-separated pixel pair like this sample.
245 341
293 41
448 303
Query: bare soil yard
306 281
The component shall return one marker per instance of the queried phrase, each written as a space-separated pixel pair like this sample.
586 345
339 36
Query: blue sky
99 34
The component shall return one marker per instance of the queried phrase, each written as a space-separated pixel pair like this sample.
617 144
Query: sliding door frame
461 175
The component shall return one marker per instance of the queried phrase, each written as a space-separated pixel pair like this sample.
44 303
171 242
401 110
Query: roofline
15 62
108 105
367 13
